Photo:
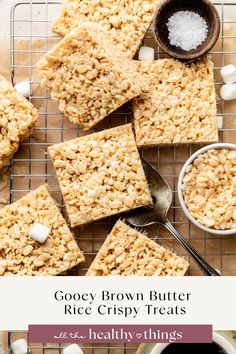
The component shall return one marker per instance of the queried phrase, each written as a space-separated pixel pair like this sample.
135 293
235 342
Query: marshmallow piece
73 349
39 233
220 122
20 346
146 53
23 88
228 74
228 92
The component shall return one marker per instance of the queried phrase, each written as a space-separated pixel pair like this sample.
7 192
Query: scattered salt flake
173 99
91 193
229 197
187 30
105 146
114 164
93 143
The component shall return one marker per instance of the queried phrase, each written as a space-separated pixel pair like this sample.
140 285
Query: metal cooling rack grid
30 39
46 348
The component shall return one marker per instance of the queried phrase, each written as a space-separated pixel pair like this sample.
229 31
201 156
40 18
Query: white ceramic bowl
217 338
180 191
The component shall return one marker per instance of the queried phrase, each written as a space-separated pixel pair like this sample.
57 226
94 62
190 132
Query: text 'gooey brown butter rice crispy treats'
100 174
86 78
17 118
20 254
126 20
179 106
128 252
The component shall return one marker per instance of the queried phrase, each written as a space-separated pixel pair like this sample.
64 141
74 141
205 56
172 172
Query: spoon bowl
204 8
162 199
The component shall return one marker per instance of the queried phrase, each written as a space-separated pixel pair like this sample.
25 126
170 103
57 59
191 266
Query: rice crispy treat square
86 78
128 252
179 106
100 175
126 20
17 119
20 254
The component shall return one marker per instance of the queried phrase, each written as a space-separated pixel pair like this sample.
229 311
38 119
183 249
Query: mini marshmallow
20 346
73 349
228 74
220 122
146 54
23 88
39 233
228 92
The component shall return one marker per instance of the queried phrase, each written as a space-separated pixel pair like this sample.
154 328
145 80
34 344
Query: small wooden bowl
204 8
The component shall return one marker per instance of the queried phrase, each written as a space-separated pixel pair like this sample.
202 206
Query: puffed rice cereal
178 103
128 252
126 20
100 174
83 73
209 189
20 254
17 119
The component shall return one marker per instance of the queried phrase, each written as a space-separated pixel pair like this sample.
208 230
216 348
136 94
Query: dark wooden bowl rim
179 5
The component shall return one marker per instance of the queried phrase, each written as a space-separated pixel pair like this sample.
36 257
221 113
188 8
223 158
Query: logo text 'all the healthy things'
120 334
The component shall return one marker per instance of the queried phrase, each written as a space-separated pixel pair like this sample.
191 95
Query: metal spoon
162 199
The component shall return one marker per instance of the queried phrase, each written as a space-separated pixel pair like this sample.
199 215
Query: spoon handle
205 267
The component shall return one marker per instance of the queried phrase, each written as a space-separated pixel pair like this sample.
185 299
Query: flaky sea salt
187 30
91 193
114 164
173 99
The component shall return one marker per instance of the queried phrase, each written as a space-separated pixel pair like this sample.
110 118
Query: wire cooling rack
46 348
31 37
